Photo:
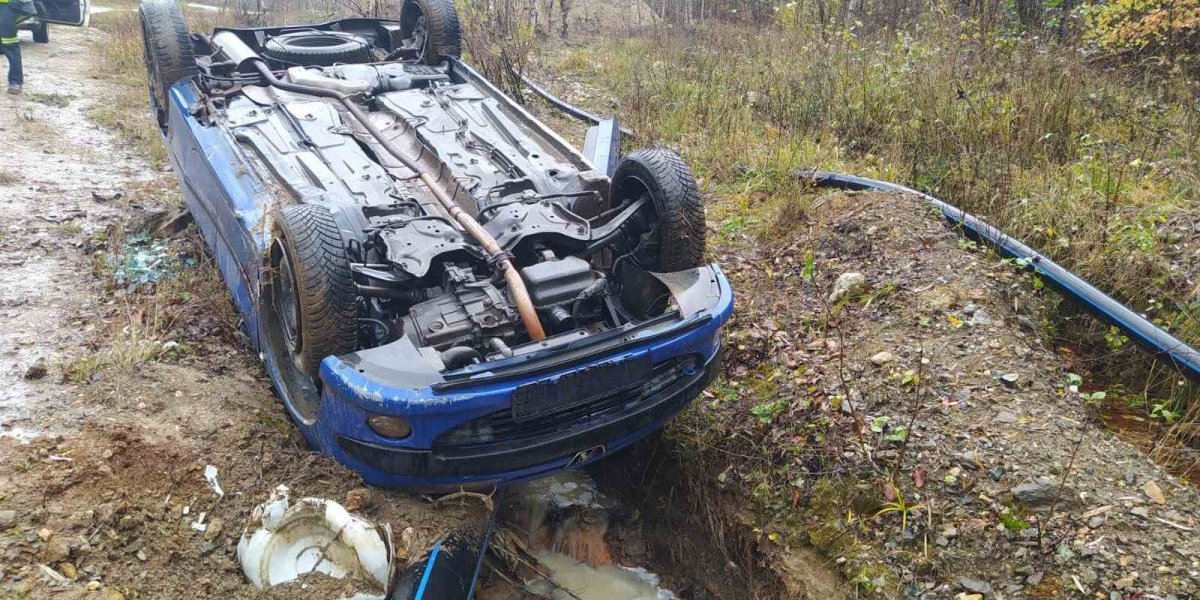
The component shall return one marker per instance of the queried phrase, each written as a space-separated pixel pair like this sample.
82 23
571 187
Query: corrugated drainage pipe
1161 344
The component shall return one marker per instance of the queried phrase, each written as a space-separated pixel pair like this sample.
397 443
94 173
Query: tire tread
677 202
325 286
170 44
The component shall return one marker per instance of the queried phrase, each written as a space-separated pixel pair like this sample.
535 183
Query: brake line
496 254
1162 345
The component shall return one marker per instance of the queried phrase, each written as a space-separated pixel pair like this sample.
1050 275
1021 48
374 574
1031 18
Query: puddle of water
577 581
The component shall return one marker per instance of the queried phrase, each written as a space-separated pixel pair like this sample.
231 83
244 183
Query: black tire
41 33
318 48
309 257
433 28
676 221
167 51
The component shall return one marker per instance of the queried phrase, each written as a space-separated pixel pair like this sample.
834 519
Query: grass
1092 166
1085 165
51 99
154 320
127 111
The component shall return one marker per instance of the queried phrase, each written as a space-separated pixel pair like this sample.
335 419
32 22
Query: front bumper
466 433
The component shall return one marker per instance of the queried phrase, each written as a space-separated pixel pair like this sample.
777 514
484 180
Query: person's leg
11 46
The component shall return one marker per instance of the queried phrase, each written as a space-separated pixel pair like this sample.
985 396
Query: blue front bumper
463 429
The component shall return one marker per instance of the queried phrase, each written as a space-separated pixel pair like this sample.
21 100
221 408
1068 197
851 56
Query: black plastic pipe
565 106
1162 345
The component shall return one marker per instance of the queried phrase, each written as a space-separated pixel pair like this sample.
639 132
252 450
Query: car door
65 12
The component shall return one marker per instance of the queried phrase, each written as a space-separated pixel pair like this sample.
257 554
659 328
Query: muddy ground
917 429
790 470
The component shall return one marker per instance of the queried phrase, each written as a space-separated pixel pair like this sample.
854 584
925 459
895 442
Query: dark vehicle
442 290
62 12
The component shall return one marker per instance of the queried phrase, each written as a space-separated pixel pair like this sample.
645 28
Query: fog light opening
390 427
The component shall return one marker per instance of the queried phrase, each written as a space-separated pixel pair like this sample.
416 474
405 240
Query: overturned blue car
443 292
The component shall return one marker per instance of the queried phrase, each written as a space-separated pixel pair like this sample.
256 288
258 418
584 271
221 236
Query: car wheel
167 51
431 28
318 48
41 33
311 290
668 235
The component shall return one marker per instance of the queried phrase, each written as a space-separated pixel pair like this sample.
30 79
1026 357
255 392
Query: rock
215 526
112 594
45 534
1040 493
1010 379
93 586
1097 521
975 585
37 370
981 318
941 298
966 596
1153 492
1125 582
8 518
882 358
141 555
968 459
1140 511
105 513
1005 416
996 473
56 550
850 283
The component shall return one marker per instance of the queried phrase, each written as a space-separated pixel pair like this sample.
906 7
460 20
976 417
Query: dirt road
57 165
102 456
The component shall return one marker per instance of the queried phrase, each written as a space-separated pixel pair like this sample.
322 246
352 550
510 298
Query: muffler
236 51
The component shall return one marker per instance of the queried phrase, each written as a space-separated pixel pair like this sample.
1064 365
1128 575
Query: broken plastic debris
199 524
313 535
210 474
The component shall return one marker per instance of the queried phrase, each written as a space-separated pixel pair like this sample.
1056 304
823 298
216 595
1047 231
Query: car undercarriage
416 273
415 225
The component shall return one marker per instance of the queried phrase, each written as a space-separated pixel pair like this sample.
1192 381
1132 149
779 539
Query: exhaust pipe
236 51
247 59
